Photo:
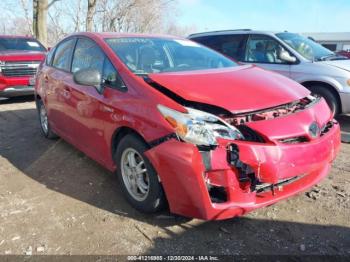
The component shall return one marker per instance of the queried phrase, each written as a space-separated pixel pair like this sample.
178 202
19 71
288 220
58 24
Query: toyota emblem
314 130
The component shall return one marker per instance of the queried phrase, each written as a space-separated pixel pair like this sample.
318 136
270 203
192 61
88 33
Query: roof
116 35
341 36
233 31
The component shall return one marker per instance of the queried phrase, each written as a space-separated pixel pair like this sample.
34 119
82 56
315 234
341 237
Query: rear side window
49 57
63 55
229 45
87 54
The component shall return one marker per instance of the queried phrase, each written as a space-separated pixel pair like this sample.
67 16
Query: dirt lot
55 200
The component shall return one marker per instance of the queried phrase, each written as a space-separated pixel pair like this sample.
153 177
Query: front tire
137 176
44 121
329 96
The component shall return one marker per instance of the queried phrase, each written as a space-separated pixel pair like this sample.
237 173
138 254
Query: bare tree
25 7
90 14
40 8
76 13
51 22
134 15
55 29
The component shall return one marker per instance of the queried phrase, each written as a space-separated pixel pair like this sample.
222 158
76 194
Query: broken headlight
198 127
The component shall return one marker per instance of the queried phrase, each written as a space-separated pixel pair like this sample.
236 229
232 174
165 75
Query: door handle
106 109
66 92
46 79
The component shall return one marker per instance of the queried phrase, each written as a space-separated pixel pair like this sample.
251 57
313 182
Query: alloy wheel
135 175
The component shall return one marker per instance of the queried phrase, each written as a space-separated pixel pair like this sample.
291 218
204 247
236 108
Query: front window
27 44
307 47
263 49
156 55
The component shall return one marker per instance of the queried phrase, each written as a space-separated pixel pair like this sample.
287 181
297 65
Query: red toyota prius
184 126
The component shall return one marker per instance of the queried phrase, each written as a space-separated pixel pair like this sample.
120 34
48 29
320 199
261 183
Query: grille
263 187
294 140
327 127
23 68
272 113
19 72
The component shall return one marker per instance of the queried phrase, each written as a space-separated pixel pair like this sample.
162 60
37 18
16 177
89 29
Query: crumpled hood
237 89
342 64
21 55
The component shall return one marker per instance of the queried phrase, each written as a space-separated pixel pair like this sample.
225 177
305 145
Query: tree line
50 20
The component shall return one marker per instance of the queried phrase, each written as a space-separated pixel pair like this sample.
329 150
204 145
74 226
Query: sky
273 15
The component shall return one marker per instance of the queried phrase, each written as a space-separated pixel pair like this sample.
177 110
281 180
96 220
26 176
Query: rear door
55 75
263 50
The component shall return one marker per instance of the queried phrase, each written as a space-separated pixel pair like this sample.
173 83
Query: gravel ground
55 200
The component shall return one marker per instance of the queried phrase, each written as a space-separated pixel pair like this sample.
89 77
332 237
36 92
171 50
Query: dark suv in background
320 70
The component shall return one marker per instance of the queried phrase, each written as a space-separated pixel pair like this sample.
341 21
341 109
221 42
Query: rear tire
329 96
137 177
44 121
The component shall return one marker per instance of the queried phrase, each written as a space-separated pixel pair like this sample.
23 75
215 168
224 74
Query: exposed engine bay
239 120
271 113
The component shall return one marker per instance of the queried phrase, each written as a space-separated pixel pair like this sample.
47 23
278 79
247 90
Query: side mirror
285 56
89 77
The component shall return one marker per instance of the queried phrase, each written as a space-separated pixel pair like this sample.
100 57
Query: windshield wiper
141 74
324 58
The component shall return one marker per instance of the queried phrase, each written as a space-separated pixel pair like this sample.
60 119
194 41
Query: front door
91 110
264 51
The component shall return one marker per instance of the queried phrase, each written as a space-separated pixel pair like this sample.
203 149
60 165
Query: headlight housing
198 127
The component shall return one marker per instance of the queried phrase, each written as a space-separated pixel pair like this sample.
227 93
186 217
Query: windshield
306 47
156 55
27 44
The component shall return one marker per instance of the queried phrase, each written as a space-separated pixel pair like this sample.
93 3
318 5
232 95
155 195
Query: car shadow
248 236
17 99
62 168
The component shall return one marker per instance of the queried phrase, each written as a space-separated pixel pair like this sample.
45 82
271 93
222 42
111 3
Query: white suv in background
320 70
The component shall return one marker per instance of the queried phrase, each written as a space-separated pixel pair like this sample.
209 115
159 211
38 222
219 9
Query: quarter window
263 49
87 54
63 55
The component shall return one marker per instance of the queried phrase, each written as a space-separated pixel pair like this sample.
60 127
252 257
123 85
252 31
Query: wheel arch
334 90
37 98
120 133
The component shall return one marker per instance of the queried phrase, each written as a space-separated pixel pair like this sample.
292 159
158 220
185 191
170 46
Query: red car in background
20 57
182 125
344 53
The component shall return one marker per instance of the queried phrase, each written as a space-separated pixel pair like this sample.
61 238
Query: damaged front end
225 165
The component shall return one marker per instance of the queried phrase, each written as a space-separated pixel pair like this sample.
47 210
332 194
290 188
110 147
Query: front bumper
185 175
17 91
15 86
